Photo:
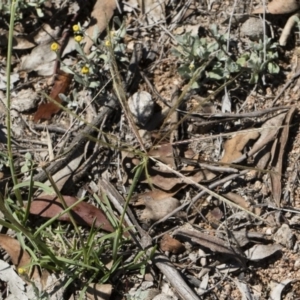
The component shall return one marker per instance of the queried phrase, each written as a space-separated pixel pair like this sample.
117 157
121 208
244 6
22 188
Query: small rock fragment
285 236
253 28
25 100
141 106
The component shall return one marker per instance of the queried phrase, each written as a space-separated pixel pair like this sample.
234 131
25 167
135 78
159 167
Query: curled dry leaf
49 206
268 134
259 252
278 7
102 12
164 153
171 245
234 147
61 85
155 209
278 289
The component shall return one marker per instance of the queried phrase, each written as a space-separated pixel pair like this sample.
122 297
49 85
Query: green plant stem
8 103
65 206
119 230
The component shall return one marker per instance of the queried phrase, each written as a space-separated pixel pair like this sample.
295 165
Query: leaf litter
192 150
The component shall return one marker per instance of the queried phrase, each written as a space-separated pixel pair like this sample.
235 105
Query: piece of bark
173 276
276 173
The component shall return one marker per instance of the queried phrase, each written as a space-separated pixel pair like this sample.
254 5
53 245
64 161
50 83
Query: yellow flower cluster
78 37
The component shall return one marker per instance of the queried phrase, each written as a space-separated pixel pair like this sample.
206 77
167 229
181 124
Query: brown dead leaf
169 181
102 12
155 209
277 162
171 245
49 206
61 85
279 7
268 134
234 147
239 200
156 194
164 153
19 257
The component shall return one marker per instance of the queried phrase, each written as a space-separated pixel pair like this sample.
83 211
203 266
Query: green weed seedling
195 52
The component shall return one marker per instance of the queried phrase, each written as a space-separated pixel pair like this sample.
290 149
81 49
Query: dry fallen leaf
155 194
278 7
259 252
19 257
85 214
168 181
268 134
171 245
234 147
164 153
102 12
61 85
278 159
155 209
239 200
276 292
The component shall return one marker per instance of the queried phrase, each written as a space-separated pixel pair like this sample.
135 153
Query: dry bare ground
198 98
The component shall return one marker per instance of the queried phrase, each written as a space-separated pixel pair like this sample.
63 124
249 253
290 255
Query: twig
173 276
211 186
287 28
285 87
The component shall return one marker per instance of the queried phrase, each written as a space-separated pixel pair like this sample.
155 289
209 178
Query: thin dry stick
205 189
198 196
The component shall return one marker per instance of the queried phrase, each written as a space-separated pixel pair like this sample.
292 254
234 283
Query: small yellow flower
191 66
85 70
54 46
107 43
22 271
78 38
76 28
